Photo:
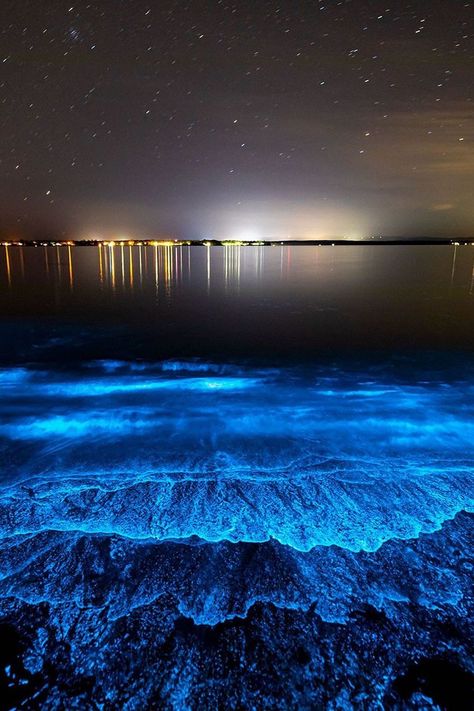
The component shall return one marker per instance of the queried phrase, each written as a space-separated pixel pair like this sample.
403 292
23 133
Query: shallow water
237 477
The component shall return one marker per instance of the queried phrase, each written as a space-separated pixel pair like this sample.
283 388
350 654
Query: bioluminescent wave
177 508
246 456
213 582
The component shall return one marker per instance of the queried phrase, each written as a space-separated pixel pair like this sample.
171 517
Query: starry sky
236 119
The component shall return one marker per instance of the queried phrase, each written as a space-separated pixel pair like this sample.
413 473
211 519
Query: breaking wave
147 496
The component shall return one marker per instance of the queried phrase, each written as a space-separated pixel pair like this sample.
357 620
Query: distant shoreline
235 243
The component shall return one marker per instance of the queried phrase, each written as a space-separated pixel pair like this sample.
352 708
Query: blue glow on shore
242 458
138 499
209 592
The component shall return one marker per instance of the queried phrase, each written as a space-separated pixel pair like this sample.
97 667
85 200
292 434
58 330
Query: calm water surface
233 302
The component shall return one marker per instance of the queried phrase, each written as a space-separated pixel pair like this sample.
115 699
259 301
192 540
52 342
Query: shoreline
235 243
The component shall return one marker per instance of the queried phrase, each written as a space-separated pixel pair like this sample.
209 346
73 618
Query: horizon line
213 242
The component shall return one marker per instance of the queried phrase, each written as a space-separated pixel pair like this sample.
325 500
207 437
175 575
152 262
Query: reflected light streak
46 259
259 262
208 265
122 265
226 268
71 277
112 266
168 267
130 257
58 262
232 260
454 264
22 264
7 260
238 256
179 259
101 265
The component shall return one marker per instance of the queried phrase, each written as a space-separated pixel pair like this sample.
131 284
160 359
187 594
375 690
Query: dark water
237 477
270 302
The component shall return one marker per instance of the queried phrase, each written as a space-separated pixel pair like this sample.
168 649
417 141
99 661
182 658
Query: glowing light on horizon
249 235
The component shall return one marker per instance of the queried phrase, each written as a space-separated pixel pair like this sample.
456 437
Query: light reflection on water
168 267
299 299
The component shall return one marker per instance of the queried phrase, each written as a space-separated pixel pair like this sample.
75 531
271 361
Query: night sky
245 119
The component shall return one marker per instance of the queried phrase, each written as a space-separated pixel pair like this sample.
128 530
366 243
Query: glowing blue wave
331 506
300 511
248 455
215 582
